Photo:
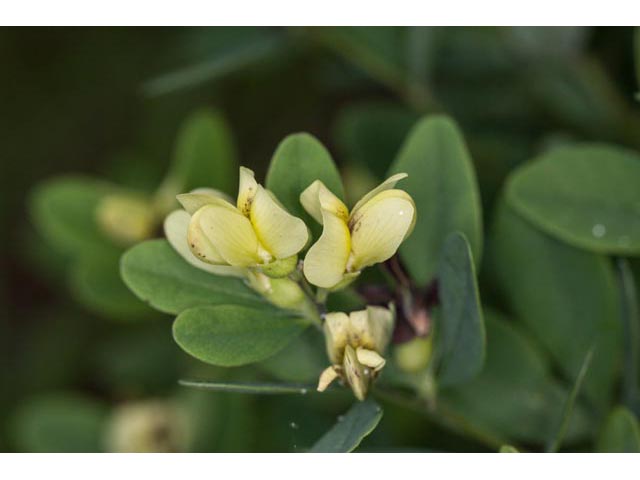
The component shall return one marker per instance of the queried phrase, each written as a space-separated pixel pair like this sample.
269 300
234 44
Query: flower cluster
258 239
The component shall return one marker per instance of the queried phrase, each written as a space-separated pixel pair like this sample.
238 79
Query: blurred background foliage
108 104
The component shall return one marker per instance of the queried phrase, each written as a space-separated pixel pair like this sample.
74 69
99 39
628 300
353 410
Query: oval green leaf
566 297
460 337
159 276
345 436
63 210
621 433
59 423
443 185
205 154
587 196
299 160
232 335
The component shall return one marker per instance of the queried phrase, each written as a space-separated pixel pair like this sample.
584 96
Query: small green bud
126 218
280 268
414 356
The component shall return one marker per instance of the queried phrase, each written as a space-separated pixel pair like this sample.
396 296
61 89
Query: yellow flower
355 344
205 244
255 232
350 241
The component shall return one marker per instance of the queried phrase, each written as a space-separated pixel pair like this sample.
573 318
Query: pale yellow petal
388 184
229 232
336 334
327 377
317 197
379 227
381 322
246 191
176 226
355 374
326 260
196 199
282 234
370 358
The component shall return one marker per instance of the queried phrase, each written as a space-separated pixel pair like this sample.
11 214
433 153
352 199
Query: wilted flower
370 234
355 345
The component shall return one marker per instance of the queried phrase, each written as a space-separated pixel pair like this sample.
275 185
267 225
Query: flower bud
148 426
414 356
126 218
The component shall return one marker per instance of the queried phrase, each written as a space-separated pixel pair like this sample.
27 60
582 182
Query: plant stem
554 446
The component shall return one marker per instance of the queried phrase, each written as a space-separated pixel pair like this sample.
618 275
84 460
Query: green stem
554 446
630 317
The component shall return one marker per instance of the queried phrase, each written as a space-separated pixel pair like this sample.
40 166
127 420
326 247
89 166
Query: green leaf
229 51
621 433
205 154
587 196
443 185
460 337
59 423
566 297
371 134
161 277
299 160
96 283
636 50
345 436
231 335
515 396
387 54
63 210
630 313
253 388
508 449
556 441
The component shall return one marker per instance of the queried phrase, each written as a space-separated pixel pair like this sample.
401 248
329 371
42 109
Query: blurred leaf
443 185
587 196
508 449
159 276
621 433
566 297
96 283
237 49
556 441
135 360
361 419
205 154
63 209
302 361
636 50
388 55
59 423
231 335
460 333
253 388
220 423
515 395
581 95
537 44
371 134
630 313
299 160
